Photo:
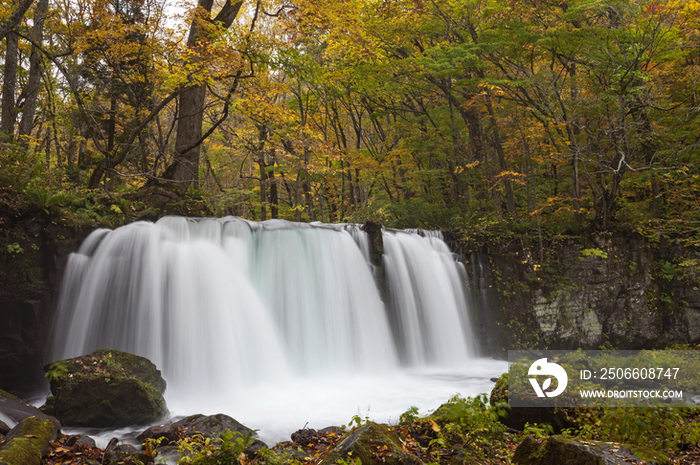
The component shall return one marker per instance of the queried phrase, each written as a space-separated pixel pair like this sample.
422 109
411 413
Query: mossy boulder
372 444
29 441
575 451
107 388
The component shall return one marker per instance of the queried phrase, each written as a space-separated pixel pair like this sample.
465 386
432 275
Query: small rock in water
81 441
164 434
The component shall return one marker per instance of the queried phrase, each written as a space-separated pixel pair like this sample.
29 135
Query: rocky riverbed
471 430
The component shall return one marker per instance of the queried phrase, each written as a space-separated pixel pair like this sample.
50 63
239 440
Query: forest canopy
416 113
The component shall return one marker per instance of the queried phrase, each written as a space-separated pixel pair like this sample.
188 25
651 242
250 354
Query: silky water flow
279 325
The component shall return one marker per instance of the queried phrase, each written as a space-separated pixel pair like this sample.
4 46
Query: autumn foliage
448 113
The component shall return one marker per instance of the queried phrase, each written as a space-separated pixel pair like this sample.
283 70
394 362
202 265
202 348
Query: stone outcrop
613 291
372 444
33 254
107 388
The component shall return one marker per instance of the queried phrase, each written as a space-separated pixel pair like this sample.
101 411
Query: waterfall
427 305
222 303
7 420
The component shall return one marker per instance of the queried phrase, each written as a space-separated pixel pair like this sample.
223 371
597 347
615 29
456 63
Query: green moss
21 450
56 371
8 395
499 393
562 449
649 455
87 389
29 442
372 444
91 402
103 363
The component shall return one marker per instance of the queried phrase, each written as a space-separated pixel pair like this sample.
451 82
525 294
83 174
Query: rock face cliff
33 253
622 292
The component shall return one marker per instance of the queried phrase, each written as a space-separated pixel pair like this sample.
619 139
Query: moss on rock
573 451
105 388
372 444
104 363
8 395
29 441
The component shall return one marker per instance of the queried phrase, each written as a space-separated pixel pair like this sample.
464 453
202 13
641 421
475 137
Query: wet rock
29 441
29 282
164 435
574 451
306 443
376 242
125 454
107 388
372 444
81 441
306 436
76 449
330 430
212 426
16 410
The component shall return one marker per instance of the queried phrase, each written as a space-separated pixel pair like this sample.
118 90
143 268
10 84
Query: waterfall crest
219 303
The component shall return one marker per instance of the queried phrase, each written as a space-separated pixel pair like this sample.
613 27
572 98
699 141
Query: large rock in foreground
29 441
107 388
372 444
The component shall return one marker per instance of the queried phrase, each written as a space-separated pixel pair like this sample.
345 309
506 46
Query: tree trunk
274 196
183 171
34 81
510 199
7 126
263 187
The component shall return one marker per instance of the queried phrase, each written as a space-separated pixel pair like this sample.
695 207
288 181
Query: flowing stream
280 325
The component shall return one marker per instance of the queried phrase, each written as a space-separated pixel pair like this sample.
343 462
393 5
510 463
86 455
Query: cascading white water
319 288
225 306
175 296
7 420
426 300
